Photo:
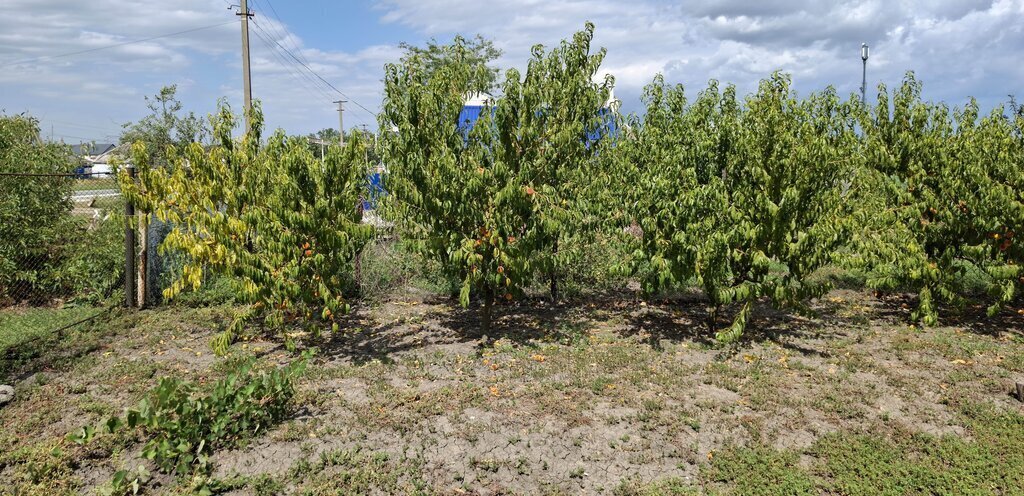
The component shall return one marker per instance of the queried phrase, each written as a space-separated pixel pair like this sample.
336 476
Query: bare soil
589 398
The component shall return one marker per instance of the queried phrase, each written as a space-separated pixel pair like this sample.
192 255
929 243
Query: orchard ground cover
609 394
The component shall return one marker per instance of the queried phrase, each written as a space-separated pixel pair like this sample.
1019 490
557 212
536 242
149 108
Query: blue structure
476 104
375 190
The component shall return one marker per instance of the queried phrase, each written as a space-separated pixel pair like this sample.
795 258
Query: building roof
478 99
92 149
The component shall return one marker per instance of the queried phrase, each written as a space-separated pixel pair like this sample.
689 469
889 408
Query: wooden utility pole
244 13
341 121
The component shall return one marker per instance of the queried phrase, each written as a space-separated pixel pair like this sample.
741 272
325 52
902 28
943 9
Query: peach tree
448 196
491 201
551 121
741 198
942 204
282 225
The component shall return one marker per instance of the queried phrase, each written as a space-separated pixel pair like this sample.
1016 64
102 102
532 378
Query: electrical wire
294 68
62 136
79 52
303 62
75 125
282 33
301 77
314 73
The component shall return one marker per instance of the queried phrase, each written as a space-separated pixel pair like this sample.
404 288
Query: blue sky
959 48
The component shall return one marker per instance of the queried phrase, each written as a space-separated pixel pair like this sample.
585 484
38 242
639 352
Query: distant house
94 158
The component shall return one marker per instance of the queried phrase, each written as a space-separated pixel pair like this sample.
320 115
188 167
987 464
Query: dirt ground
610 395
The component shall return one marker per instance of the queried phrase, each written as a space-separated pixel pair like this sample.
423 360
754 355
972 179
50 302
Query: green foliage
283 225
474 54
545 125
490 204
390 265
127 482
940 202
759 472
666 487
319 141
991 463
742 197
34 213
185 424
95 268
165 126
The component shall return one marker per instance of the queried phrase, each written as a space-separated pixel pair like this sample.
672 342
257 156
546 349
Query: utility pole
341 121
864 75
244 14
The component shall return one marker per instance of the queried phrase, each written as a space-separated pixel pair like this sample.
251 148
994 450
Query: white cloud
957 47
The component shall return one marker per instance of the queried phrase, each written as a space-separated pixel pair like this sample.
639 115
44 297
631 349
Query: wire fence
62 255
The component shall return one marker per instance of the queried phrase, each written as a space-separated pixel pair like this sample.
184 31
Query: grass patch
667 487
759 472
358 471
23 325
991 462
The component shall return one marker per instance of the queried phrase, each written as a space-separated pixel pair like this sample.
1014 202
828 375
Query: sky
957 48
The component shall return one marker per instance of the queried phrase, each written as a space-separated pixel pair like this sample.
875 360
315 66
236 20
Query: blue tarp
375 191
471 113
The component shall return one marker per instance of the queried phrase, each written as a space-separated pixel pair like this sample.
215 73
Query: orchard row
744 198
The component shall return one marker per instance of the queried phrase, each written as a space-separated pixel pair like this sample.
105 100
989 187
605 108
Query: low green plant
127 482
185 424
759 471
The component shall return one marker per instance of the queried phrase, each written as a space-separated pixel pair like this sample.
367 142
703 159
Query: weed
759 472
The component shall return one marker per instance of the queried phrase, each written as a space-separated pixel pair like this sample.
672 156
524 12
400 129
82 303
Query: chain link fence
62 255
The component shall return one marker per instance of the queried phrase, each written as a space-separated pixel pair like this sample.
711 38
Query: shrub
743 198
940 206
491 203
185 424
34 213
281 224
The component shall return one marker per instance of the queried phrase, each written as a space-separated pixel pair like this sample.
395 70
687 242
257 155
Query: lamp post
864 74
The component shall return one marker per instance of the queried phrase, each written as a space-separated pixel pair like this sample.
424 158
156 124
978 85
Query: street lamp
864 77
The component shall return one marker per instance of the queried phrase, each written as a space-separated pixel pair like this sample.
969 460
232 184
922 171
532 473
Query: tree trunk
553 274
712 319
485 317
359 255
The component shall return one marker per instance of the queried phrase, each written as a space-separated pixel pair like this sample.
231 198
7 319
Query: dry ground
608 395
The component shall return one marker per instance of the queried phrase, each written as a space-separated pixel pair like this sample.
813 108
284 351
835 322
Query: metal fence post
129 249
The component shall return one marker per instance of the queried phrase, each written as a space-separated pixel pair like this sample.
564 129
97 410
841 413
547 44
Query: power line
286 63
79 52
311 71
62 136
299 76
303 61
283 33
291 67
74 124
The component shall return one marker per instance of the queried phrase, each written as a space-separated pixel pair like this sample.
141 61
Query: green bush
280 224
34 212
185 424
939 205
95 269
742 196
